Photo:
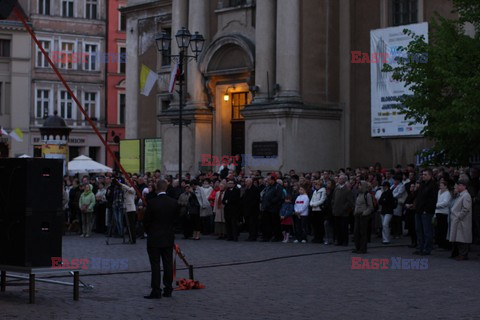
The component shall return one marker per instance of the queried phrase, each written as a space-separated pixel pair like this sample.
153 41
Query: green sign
130 155
152 155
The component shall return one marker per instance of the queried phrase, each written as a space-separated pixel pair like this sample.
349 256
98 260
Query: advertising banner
386 120
130 155
152 155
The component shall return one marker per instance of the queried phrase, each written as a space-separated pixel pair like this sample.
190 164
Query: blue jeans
424 229
118 216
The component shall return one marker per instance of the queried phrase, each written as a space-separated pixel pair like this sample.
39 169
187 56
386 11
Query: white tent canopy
86 164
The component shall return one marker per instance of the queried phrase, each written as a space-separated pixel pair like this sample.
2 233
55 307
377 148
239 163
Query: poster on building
386 119
56 151
152 155
130 155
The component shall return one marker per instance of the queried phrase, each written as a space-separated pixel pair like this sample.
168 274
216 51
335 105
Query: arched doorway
228 66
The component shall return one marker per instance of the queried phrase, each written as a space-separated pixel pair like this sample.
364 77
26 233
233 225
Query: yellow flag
17 134
147 80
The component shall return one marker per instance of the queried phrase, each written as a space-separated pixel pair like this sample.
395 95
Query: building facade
15 83
115 99
286 69
73 34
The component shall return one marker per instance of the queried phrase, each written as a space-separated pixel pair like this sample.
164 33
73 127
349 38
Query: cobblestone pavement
246 280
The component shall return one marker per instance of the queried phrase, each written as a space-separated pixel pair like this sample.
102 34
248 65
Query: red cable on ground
80 107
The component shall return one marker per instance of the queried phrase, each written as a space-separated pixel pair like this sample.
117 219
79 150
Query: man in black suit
231 201
251 208
159 222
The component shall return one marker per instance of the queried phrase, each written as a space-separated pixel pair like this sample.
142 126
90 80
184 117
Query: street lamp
184 39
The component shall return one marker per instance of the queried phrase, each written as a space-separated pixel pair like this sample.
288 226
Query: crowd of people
433 206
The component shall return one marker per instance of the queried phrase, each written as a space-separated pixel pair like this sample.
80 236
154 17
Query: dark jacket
251 201
159 221
426 200
109 196
387 202
174 192
231 200
272 198
342 202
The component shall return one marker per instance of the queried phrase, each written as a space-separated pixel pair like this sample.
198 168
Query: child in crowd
286 213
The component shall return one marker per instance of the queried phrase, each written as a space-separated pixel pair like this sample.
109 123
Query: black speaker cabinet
31 215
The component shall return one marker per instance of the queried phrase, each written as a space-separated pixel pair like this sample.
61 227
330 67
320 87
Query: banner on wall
152 155
386 120
130 155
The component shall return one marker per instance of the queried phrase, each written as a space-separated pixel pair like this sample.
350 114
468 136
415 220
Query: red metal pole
80 107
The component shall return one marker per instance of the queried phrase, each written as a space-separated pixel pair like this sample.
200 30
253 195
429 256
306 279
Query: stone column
179 20
288 50
265 31
198 20
345 76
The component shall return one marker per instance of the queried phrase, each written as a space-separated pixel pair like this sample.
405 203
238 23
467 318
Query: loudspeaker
31 215
6 7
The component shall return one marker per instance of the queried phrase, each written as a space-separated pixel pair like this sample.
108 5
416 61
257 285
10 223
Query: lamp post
184 39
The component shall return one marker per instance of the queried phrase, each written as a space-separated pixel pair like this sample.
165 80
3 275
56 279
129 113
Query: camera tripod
113 226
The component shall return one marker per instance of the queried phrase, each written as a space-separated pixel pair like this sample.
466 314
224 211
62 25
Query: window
67 8
165 105
122 23
90 57
37 151
122 62
91 9
4 48
66 105
42 103
90 104
44 7
93 153
41 61
67 56
166 55
73 152
1 101
239 100
404 12
234 3
121 108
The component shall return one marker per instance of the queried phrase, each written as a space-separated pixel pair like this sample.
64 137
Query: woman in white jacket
318 199
300 216
442 212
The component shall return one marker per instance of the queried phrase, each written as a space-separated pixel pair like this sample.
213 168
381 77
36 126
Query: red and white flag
173 77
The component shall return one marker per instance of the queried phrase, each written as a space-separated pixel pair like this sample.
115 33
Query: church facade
274 79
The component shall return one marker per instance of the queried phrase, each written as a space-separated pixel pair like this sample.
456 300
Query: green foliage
446 90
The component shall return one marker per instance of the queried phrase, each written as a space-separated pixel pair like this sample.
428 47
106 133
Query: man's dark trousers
360 232
166 254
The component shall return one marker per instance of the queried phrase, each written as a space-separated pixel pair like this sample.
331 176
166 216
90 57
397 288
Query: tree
445 90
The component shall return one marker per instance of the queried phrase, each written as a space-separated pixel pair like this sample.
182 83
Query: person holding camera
130 208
